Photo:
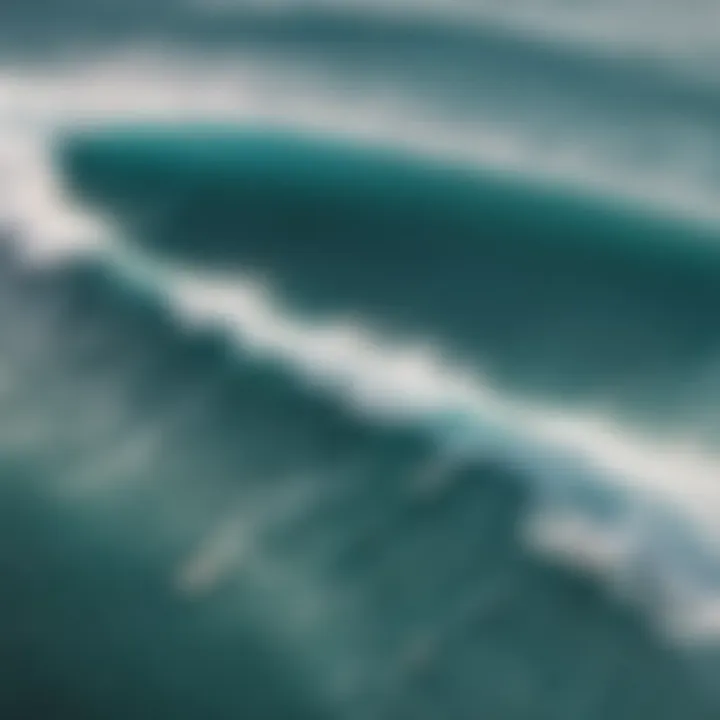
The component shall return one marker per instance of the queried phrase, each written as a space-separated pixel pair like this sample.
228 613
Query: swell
468 62
223 514
433 576
557 293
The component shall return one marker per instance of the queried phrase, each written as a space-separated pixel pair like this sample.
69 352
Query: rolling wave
578 460
660 31
319 401
224 532
553 292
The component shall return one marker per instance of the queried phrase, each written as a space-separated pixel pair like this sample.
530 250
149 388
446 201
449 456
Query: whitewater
634 506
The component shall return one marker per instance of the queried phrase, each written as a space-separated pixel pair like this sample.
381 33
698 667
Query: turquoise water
358 362
332 586
555 292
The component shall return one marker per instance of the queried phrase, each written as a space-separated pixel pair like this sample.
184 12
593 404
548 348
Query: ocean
359 361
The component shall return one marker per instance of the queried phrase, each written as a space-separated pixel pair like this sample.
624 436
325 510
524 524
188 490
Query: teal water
218 501
342 591
556 292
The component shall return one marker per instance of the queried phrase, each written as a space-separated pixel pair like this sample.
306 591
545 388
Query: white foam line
162 84
417 385
408 382
670 483
399 383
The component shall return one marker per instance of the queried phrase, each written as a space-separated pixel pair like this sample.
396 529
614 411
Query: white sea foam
677 174
667 494
660 29
670 494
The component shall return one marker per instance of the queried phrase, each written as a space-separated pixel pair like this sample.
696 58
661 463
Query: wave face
359 360
226 541
551 293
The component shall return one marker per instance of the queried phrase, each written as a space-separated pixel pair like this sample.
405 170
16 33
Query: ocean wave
248 515
55 232
659 31
417 428
554 292
570 459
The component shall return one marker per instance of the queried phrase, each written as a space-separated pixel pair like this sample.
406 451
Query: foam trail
568 457
407 385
